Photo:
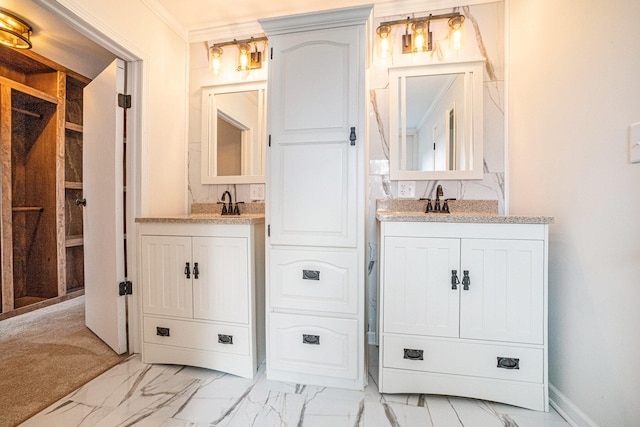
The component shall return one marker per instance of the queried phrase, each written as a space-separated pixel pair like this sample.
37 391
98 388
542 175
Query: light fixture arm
421 19
250 40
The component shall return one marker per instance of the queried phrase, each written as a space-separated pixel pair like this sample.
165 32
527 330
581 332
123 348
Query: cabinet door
505 297
315 99
418 295
166 290
221 288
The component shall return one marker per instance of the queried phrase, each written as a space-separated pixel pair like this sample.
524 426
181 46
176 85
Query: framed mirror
435 115
233 133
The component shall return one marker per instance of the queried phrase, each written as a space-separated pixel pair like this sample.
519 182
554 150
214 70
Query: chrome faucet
227 210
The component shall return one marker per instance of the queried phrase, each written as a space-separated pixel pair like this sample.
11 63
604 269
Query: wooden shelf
72 241
27 209
73 185
72 126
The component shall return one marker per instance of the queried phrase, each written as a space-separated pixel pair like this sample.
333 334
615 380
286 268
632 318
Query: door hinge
271 55
269 230
125 288
269 140
124 101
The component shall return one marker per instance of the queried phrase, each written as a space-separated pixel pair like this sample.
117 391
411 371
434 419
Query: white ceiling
58 41
193 15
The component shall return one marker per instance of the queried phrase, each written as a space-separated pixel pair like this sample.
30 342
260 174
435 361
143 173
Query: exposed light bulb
243 58
215 53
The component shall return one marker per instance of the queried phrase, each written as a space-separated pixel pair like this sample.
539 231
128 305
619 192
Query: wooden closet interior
41 231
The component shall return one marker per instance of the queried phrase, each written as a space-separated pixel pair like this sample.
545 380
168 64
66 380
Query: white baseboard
568 410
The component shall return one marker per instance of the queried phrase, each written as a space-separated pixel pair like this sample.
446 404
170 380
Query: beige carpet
45 355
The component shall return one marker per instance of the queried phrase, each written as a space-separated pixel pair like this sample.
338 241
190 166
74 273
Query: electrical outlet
256 191
406 189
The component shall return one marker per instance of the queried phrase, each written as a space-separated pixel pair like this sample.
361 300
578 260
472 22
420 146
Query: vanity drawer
196 335
314 280
314 345
464 358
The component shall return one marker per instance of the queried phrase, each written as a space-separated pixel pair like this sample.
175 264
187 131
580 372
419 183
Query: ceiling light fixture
14 32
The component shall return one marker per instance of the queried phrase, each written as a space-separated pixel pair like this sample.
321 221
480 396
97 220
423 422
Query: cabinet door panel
166 288
418 298
314 101
505 298
221 291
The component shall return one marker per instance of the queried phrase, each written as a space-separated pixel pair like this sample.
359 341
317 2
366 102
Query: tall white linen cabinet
315 210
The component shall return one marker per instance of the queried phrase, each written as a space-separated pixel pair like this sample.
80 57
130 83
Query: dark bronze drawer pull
412 354
162 332
225 339
311 339
310 275
508 363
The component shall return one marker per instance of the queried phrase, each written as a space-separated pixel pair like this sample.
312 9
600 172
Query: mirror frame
209 131
473 87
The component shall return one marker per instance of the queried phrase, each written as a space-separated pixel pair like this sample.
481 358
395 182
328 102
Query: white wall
574 89
164 53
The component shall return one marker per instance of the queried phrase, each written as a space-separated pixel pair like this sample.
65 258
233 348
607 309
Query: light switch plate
406 189
634 142
256 191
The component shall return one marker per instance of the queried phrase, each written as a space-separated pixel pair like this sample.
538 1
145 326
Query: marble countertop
210 213
207 218
461 217
462 211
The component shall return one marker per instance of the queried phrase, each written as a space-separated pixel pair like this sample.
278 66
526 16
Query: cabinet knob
311 339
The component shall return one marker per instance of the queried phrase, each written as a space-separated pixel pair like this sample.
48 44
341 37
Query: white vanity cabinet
463 310
203 295
315 202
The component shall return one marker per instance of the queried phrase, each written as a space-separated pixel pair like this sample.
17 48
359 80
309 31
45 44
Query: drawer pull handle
466 280
454 279
508 363
412 354
225 339
162 332
311 339
310 275
195 270
187 271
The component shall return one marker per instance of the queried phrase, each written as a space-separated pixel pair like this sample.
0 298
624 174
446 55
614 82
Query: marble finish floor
133 393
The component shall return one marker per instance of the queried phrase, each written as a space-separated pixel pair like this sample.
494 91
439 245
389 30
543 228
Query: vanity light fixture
14 32
420 39
249 55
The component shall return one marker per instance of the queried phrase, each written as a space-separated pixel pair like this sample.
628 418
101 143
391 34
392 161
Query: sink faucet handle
429 207
445 206
236 209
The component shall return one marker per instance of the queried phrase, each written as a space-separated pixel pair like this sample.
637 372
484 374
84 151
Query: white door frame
135 76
